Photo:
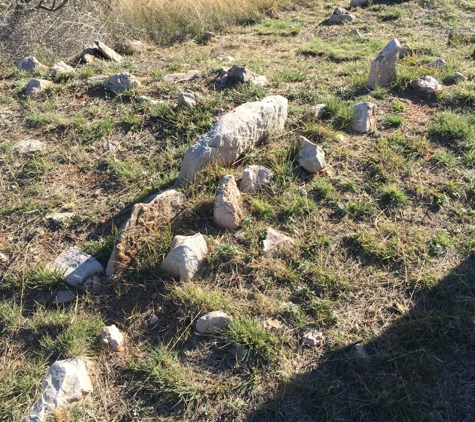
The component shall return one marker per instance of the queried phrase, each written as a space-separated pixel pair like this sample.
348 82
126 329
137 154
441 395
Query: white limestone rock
439 63
254 178
456 77
319 110
227 204
60 217
67 382
77 266
340 15
312 157
185 257
112 338
275 241
181 77
425 85
108 52
383 68
233 134
62 67
313 338
365 117
29 146
187 99
212 323
121 82
30 64
142 99
35 86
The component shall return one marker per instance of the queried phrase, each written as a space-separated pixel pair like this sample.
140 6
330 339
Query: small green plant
393 195
394 120
439 242
380 93
278 27
451 127
324 189
392 15
399 107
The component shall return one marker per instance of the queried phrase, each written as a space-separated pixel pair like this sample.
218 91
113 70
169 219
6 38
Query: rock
254 178
62 67
60 217
153 320
361 352
425 85
77 266
88 58
237 75
340 15
355 33
112 338
227 204
440 63
5 114
383 67
207 36
356 3
96 283
63 297
311 157
227 59
186 99
107 52
185 257
121 82
181 77
319 110
212 323
129 48
455 77
146 220
110 147
93 80
3 258
275 241
365 117
144 99
462 35
30 64
313 338
30 146
67 382
35 86
233 134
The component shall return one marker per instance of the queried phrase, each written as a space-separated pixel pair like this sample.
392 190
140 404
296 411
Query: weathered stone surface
365 117
88 58
144 99
130 47
181 77
313 338
254 178
312 157
275 241
456 77
319 110
60 217
30 64
235 132
340 15
208 35
63 297
62 67
426 85
112 338
35 86
356 3
108 52
227 59
212 323
355 33
185 257
3 258
110 146
30 146
77 266
440 63
67 382
121 82
383 67
146 219
237 75
227 204
187 99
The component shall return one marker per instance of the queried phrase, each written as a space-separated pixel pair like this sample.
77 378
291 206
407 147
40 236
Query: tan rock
275 241
227 204
112 338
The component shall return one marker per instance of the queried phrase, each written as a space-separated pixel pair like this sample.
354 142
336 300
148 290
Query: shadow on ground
420 369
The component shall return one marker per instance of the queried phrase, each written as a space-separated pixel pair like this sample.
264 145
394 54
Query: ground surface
384 236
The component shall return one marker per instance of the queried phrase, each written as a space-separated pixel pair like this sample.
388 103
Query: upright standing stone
365 117
383 67
227 205
254 178
311 157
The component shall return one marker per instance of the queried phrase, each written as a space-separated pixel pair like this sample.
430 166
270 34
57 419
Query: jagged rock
129 47
440 63
227 204
319 110
383 67
455 77
425 85
311 157
62 67
3 258
212 323
60 217
275 241
207 36
233 133
121 82
186 99
35 86
146 220
144 99
355 33
313 338
340 15
110 147
108 52
67 382
77 266
64 297
30 146
185 257
254 178
181 77
356 3
90 53
237 75
30 64
88 58
365 117
112 338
